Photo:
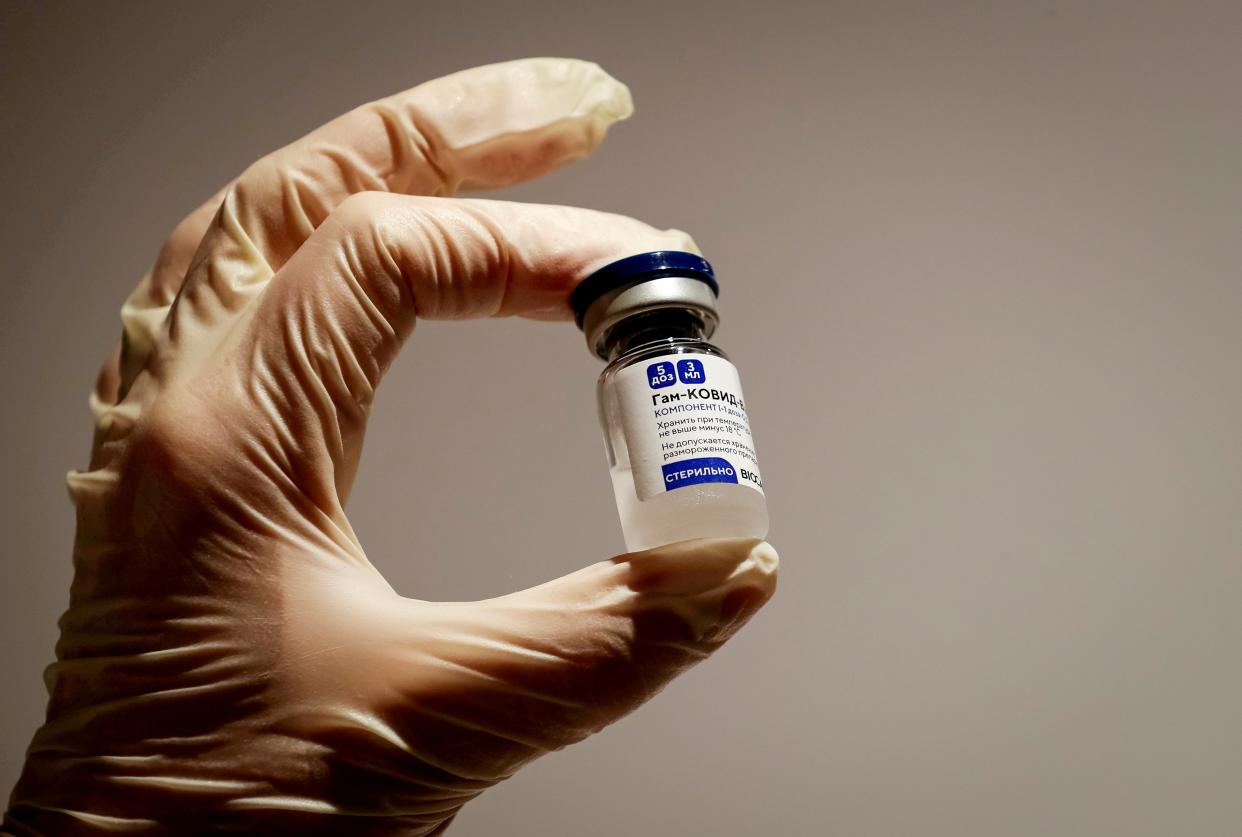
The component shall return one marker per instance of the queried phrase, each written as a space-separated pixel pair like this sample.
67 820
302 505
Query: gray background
981 274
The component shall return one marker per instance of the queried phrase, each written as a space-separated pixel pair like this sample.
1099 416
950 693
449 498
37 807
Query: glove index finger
336 315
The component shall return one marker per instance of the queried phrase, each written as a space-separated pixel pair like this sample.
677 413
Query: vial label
685 424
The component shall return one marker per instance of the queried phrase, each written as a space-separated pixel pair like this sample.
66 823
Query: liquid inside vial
719 511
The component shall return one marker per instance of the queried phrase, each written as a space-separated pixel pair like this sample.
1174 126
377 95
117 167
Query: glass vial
676 432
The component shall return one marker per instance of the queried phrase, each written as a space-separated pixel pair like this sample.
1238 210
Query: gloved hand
230 660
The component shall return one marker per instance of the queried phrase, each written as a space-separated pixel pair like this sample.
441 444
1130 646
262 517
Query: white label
685 424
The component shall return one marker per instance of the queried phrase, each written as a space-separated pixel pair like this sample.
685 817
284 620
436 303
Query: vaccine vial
676 432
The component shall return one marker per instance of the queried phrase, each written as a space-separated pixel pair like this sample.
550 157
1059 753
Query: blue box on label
695 471
661 375
691 372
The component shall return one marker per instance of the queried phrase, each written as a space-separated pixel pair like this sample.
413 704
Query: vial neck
654 327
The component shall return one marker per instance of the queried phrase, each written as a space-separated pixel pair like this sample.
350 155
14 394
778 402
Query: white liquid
707 510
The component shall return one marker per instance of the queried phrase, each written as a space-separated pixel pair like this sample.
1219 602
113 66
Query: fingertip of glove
710 588
622 102
765 558
691 567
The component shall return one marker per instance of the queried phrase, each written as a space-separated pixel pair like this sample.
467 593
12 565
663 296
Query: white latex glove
230 660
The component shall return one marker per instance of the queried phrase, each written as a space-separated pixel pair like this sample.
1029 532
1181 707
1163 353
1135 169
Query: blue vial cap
640 268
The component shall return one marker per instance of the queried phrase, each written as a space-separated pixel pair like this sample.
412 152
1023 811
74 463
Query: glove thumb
469 692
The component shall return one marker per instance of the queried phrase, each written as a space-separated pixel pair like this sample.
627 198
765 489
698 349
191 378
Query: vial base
707 510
